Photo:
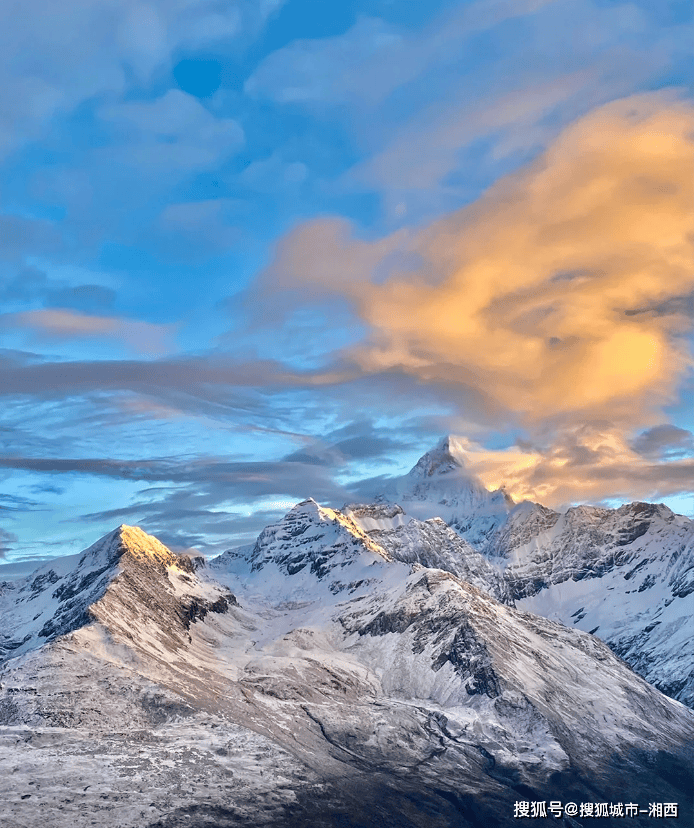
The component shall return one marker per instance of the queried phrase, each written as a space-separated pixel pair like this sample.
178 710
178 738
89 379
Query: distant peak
307 508
452 444
446 456
131 533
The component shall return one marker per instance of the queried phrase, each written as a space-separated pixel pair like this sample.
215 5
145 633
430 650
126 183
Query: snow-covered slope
328 676
450 673
626 575
439 485
430 543
124 578
312 554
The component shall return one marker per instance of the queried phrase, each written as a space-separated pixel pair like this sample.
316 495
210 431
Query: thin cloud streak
64 323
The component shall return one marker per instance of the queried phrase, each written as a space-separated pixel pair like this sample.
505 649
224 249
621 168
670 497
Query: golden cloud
583 464
551 292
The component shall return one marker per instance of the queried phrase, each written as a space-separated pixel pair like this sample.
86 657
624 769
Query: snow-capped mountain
431 543
332 674
329 543
626 575
126 577
439 485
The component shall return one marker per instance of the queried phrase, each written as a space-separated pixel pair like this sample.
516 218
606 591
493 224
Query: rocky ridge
354 667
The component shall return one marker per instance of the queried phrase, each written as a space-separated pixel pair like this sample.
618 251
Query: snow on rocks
351 667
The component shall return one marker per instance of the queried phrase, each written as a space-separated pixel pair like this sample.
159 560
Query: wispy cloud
55 61
486 85
7 539
62 323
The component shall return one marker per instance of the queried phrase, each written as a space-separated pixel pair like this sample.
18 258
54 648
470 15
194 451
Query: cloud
193 230
61 323
7 540
664 441
55 60
272 174
16 503
582 464
440 112
203 502
366 64
433 160
173 132
31 285
527 296
314 70
358 440
212 378
239 479
126 184
557 303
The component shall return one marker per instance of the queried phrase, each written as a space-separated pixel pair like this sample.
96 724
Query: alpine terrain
441 658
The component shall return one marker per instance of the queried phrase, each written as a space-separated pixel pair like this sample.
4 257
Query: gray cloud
207 508
232 480
17 503
198 376
359 440
664 441
7 541
31 285
674 306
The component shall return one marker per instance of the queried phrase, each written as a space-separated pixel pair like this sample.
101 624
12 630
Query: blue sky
252 252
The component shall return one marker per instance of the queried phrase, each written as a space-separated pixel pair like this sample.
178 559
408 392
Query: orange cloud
546 289
583 464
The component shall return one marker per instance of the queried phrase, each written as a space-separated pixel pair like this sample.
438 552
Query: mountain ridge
353 667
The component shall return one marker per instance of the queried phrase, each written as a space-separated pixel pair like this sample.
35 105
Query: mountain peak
307 507
441 484
315 538
447 456
130 540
